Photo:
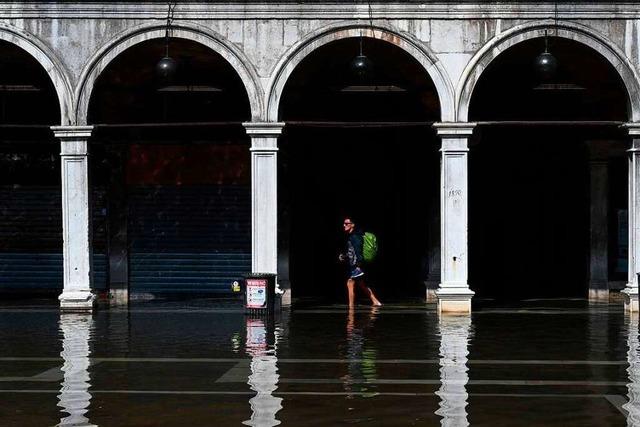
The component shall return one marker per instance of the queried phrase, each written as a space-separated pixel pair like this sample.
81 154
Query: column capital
633 128
72 132
454 129
263 129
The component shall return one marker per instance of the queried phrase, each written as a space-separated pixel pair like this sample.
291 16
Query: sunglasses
348 223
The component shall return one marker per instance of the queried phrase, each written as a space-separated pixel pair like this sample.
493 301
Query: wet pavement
204 362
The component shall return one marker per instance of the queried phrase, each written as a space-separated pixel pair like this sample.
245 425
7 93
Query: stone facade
264 42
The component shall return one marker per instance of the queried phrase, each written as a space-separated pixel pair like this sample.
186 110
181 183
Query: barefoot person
355 259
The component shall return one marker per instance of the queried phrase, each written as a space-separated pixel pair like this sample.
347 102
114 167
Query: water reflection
454 334
361 355
632 407
74 397
261 344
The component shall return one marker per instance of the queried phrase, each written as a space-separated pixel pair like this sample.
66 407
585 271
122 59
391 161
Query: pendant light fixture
361 66
546 64
167 66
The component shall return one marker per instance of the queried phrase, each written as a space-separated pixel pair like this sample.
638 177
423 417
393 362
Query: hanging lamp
361 66
167 66
546 64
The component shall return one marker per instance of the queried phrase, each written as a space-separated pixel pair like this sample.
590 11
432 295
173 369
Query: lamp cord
168 33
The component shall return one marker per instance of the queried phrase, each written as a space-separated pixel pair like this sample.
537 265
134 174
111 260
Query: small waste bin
260 293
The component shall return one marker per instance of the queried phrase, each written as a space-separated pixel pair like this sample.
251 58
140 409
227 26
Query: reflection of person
355 258
361 368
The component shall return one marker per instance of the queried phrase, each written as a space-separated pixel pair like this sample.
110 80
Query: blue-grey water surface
206 363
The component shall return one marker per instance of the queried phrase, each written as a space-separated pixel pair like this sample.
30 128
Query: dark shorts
355 273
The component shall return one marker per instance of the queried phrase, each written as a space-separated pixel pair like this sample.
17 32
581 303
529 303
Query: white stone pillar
76 217
631 291
264 198
454 295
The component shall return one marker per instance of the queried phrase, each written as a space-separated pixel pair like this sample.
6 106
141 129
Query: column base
118 297
77 301
431 289
630 300
454 301
598 296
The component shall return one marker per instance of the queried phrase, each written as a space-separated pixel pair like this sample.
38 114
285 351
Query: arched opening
547 175
173 158
360 146
30 195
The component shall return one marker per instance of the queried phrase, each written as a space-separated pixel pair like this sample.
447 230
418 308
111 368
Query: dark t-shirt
355 243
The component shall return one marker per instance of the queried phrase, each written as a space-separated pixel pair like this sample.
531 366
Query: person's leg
351 292
374 300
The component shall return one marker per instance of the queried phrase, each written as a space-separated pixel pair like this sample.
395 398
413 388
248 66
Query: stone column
599 222
454 295
76 217
264 198
117 247
630 292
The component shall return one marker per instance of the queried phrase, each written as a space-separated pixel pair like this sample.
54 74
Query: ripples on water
74 397
454 335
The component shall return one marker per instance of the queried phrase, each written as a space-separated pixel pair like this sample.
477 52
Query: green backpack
369 247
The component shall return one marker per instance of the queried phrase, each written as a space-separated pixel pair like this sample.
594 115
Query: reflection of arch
190 31
568 30
412 46
48 61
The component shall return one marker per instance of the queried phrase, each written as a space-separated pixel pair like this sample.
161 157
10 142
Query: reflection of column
632 407
74 394
264 373
264 198
454 339
76 217
454 294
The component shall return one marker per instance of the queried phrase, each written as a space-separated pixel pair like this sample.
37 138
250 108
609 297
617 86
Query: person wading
354 256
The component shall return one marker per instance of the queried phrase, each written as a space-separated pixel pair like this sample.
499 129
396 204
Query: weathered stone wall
264 41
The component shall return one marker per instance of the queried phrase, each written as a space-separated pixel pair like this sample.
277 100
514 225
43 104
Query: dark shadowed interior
174 159
529 211
360 146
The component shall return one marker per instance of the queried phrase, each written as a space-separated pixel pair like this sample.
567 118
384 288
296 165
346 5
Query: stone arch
48 60
188 31
568 30
298 52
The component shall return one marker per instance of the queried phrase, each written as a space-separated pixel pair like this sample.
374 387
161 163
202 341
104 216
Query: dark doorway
360 146
173 158
529 211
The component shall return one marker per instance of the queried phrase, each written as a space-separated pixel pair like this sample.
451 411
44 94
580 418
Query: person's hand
341 257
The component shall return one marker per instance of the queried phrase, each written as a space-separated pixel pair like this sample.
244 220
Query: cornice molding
326 10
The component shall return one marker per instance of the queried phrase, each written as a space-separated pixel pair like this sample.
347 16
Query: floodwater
205 363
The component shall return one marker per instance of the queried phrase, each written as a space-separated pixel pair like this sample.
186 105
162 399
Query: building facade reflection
74 397
455 333
261 345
